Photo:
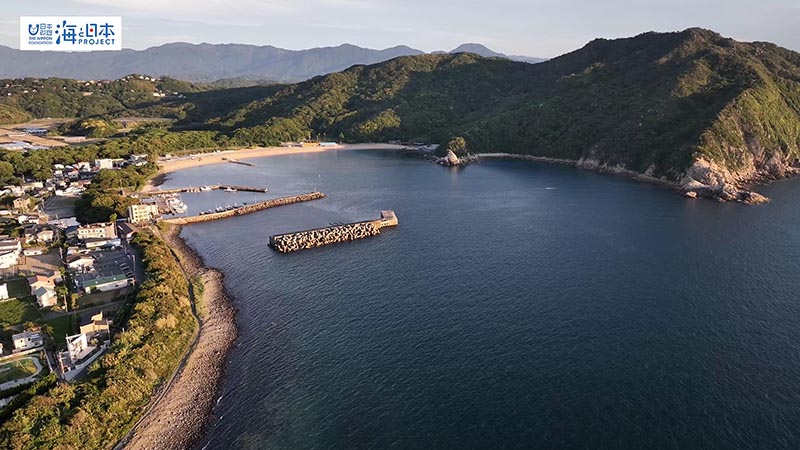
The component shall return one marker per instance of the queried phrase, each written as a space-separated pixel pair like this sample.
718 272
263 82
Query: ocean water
517 305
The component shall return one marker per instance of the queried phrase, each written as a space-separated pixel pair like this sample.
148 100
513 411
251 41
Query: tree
457 145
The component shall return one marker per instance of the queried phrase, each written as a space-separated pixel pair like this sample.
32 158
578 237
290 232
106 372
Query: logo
70 33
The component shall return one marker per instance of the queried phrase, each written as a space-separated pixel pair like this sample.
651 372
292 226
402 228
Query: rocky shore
701 180
180 414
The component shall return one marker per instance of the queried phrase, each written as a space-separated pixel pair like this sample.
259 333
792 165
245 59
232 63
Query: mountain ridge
201 62
692 109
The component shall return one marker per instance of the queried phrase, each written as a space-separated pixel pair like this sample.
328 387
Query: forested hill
663 104
24 98
690 107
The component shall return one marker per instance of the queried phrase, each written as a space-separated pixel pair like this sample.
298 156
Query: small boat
205 188
230 189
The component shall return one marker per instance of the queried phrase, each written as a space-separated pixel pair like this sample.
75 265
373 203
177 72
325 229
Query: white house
142 213
97 230
104 163
27 340
10 249
78 347
80 261
46 296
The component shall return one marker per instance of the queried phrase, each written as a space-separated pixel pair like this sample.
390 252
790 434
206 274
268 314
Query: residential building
27 340
34 251
94 243
97 230
80 262
71 232
104 163
46 296
37 281
142 213
10 250
126 230
22 203
98 325
39 233
65 223
104 281
78 347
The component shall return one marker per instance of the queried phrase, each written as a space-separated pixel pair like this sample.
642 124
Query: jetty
246 209
210 187
236 161
300 240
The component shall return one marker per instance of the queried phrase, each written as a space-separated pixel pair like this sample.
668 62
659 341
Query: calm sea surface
517 305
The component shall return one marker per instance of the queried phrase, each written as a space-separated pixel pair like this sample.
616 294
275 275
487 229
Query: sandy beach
202 159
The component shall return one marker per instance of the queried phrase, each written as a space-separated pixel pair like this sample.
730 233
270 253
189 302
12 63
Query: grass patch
62 326
18 288
17 311
15 370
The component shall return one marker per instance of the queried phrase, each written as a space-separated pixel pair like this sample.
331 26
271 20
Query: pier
213 187
247 209
236 161
291 242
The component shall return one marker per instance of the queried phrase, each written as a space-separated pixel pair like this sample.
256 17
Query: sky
540 28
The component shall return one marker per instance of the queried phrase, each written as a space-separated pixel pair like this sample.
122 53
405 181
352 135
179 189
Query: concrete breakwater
211 187
247 209
291 242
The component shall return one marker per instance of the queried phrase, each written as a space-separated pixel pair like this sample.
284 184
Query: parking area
60 206
44 264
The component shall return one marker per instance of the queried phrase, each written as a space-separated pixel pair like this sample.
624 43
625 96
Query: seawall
301 240
246 209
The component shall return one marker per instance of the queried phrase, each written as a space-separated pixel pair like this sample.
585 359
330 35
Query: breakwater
301 240
223 187
247 209
236 161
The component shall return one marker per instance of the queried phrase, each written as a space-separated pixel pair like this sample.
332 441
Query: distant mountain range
210 62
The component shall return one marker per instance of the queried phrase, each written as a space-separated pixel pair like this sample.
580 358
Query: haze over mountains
210 62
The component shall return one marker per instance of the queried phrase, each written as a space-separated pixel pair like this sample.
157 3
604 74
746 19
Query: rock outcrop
707 179
451 159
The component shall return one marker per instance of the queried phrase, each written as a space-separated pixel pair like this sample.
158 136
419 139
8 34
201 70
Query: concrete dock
300 240
213 187
247 209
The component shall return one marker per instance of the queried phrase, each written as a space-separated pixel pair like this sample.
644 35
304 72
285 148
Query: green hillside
690 107
661 104
23 98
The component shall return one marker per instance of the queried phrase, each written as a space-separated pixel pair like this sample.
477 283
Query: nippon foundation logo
70 33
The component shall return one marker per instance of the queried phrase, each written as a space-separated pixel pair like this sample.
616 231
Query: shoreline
226 156
180 417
